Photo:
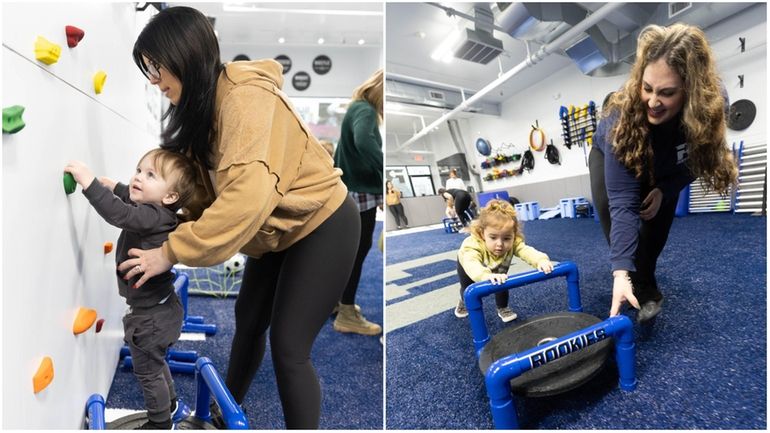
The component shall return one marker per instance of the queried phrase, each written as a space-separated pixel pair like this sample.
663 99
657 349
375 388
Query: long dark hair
182 40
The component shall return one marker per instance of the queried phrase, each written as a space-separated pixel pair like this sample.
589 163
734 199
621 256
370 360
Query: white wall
351 66
53 261
570 86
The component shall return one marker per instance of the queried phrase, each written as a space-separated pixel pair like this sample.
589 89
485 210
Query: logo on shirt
681 153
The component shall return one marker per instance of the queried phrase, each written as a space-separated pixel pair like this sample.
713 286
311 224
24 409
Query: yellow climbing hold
99 79
46 51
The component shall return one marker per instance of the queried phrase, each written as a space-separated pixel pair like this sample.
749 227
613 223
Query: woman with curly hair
663 129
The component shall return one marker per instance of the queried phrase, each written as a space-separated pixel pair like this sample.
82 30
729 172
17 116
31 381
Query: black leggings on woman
293 293
398 213
653 233
463 203
368 218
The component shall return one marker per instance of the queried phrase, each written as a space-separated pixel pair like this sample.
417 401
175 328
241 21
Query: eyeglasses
153 69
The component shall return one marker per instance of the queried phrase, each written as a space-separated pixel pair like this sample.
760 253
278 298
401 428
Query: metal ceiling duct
479 46
607 48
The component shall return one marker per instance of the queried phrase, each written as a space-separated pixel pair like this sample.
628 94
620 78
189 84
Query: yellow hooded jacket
479 263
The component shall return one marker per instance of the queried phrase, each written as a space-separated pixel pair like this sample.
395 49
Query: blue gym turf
702 365
349 366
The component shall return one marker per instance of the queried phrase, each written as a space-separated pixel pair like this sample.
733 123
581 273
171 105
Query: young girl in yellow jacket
486 254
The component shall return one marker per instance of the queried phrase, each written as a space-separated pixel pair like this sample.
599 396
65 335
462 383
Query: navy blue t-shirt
671 175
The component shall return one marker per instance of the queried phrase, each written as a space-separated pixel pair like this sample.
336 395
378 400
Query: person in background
454 181
145 211
462 203
359 155
661 131
487 253
264 187
393 200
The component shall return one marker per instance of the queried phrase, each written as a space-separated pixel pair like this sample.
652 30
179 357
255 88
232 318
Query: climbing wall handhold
74 35
85 318
69 183
46 51
107 247
12 121
99 79
99 324
44 375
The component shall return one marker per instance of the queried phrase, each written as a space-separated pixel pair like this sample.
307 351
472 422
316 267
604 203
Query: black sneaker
649 310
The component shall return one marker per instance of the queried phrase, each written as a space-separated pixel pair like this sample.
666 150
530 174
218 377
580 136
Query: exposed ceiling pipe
407 78
544 51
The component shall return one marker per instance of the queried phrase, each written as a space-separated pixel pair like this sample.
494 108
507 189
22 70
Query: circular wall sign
300 80
322 64
285 61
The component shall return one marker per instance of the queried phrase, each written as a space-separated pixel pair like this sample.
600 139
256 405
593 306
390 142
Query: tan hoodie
273 182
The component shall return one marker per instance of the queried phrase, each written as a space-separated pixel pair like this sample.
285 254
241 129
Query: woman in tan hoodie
266 188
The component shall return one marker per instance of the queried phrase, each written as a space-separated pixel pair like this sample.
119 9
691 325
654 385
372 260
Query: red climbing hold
74 35
99 324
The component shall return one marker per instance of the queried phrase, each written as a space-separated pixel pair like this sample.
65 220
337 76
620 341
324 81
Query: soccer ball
235 264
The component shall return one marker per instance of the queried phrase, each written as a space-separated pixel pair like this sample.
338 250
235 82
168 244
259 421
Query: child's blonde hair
176 169
496 213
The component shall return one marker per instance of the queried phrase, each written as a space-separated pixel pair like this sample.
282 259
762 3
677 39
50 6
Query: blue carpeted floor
702 365
349 366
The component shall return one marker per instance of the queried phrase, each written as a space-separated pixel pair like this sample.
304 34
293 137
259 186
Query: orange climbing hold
85 318
107 247
46 51
44 375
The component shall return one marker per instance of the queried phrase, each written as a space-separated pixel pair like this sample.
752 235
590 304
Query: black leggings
398 213
463 203
293 293
653 234
501 298
364 244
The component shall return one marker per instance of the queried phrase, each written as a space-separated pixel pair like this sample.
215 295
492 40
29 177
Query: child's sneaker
506 314
180 412
460 310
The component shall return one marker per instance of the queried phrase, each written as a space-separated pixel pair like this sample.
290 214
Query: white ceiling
414 30
301 24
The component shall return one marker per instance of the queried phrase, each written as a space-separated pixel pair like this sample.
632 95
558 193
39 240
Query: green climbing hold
69 183
12 121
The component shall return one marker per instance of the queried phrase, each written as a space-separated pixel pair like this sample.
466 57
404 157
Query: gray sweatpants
149 332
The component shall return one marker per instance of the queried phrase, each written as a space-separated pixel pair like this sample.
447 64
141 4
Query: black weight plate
131 422
742 114
558 376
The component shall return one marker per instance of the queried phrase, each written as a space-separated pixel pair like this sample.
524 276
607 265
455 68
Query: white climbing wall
52 247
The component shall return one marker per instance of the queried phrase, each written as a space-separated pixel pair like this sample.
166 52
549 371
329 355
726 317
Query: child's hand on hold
80 172
498 279
545 266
